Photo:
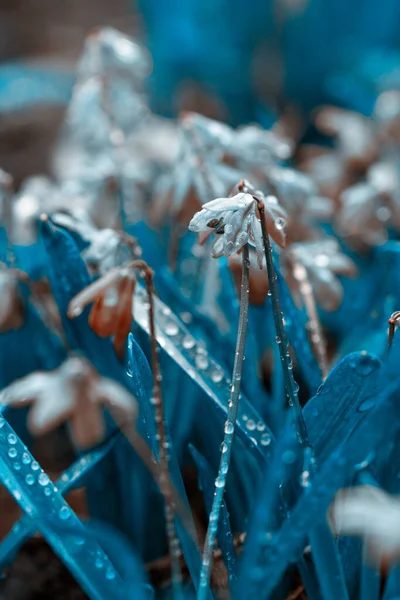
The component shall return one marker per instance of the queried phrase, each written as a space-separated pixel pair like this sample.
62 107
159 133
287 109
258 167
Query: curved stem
290 384
316 335
117 141
164 478
393 322
229 429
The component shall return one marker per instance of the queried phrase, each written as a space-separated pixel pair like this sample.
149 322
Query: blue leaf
225 538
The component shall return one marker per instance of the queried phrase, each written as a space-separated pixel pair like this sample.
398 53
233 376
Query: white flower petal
257 239
236 202
218 247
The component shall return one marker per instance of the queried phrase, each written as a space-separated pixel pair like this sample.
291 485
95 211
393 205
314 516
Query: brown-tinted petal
102 317
124 316
90 293
87 423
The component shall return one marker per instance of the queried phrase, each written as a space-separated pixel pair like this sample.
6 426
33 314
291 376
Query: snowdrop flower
254 146
369 512
111 313
299 196
108 51
109 249
323 261
387 114
355 134
364 216
235 222
212 135
74 392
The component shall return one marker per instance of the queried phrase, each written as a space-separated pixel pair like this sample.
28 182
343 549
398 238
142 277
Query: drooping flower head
235 222
111 313
364 216
323 261
372 514
74 392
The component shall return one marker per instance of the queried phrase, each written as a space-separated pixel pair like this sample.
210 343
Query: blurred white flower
356 135
372 514
364 216
75 392
235 222
323 262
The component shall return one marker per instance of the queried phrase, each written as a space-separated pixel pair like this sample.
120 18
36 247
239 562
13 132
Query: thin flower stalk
229 429
393 322
314 325
287 366
117 313
164 478
117 141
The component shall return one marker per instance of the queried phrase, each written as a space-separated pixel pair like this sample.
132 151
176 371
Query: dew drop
11 438
17 466
35 466
30 480
186 317
260 426
220 482
12 453
280 224
366 365
171 329
201 361
110 574
99 563
129 370
265 439
217 375
224 447
278 339
250 425
43 479
47 491
26 459
64 513
188 342
228 427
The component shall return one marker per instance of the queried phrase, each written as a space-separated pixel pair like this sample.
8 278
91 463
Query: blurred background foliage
237 60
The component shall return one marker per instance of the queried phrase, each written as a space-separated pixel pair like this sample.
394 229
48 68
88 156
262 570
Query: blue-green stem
287 366
229 430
